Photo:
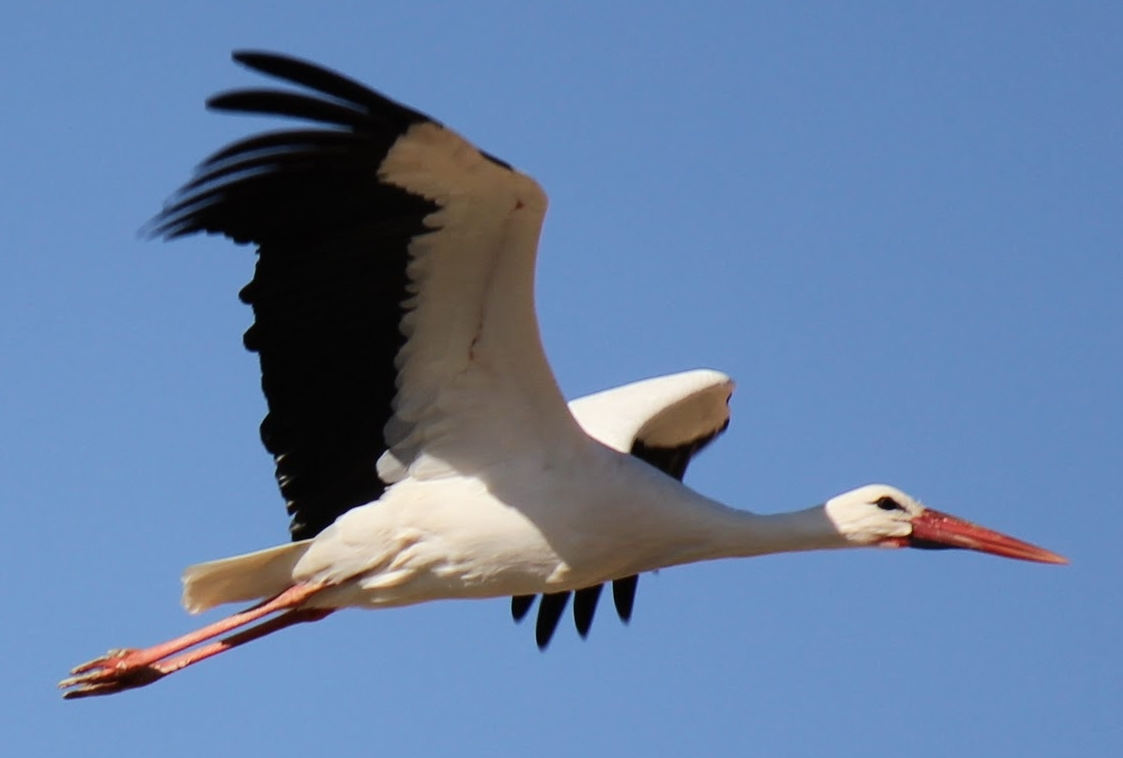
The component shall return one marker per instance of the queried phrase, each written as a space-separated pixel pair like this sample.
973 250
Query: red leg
124 669
158 670
297 616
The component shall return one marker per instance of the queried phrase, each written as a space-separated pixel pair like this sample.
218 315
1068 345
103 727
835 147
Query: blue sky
898 229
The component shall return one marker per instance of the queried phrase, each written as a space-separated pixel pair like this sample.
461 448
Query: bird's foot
115 671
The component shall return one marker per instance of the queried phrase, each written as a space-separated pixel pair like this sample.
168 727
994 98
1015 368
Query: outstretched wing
664 421
393 294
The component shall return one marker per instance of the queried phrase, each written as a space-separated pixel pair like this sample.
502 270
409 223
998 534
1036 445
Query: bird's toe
102 661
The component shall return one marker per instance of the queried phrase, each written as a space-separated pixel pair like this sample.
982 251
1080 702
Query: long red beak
932 529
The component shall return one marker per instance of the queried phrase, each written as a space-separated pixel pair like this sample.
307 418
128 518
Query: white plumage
421 441
402 549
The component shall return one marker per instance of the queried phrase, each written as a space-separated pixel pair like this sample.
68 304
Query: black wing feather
520 606
549 613
331 83
330 279
283 141
585 607
624 596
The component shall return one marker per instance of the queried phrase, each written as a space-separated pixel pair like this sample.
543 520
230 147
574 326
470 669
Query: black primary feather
326 294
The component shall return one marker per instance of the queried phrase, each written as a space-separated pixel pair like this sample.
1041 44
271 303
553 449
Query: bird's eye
887 503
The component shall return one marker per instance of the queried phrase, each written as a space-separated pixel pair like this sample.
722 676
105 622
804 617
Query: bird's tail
241 578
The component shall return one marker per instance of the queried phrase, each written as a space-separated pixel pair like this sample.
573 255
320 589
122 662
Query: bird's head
880 515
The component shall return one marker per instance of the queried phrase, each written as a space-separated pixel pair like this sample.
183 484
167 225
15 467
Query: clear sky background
898 229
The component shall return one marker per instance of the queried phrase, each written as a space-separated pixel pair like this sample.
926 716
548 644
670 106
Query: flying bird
421 442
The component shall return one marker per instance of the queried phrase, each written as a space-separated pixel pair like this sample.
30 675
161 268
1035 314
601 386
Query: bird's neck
665 523
718 531
807 529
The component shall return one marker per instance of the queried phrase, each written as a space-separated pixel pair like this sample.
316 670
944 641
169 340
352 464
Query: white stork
421 442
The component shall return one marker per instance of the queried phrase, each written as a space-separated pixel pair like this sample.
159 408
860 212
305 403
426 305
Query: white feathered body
537 521
536 526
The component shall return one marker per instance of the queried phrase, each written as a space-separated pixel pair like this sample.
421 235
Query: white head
880 515
869 515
